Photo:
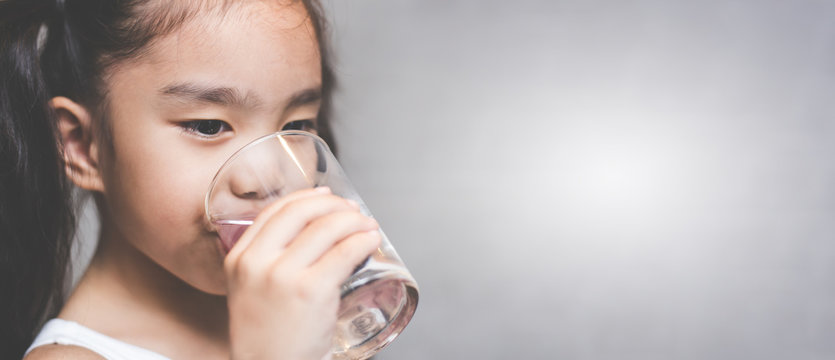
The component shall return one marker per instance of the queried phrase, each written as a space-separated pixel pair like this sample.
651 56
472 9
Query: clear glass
379 299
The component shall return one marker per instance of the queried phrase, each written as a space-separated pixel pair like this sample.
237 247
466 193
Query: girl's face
178 112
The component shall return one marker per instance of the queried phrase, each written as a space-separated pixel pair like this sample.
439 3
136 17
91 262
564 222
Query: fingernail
322 190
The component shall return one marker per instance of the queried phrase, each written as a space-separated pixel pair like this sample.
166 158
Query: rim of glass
251 144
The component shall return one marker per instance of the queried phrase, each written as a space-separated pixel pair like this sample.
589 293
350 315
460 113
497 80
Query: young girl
139 102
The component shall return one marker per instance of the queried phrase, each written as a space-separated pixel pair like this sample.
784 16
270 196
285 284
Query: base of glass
373 314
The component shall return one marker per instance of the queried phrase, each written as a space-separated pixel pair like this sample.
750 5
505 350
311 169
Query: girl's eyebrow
231 96
218 95
305 97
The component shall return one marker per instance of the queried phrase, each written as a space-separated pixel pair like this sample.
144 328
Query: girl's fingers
268 241
339 262
269 211
321 234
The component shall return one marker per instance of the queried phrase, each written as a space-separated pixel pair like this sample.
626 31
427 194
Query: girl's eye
206 128
301 125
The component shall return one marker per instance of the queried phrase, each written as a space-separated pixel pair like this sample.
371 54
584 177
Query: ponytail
36 218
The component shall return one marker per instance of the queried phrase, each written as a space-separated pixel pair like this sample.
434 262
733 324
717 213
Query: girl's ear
75 127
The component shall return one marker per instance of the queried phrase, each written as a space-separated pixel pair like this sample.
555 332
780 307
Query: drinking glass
380 297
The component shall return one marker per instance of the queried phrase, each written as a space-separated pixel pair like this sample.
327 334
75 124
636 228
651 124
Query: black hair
54 48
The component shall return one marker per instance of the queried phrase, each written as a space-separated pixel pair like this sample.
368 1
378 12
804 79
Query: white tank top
63 332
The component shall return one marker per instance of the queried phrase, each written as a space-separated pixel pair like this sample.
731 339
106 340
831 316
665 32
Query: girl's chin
213 286
216 292
211 278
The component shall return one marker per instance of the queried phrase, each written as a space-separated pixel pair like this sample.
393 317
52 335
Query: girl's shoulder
64 339
56 351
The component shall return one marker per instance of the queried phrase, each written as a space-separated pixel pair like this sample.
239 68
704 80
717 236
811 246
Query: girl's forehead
258 48
167 14
200 22
248 29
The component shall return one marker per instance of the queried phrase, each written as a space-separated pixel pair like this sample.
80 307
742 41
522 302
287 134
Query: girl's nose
257 175
255 186
274 168
265 171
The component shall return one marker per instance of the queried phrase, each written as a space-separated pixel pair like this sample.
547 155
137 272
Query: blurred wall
604 179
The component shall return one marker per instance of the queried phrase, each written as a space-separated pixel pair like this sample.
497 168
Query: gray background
609 179
601 179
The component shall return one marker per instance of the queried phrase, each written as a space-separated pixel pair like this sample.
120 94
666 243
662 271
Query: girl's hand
285 272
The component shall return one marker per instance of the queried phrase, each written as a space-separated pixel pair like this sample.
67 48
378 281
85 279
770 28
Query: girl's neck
125 295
